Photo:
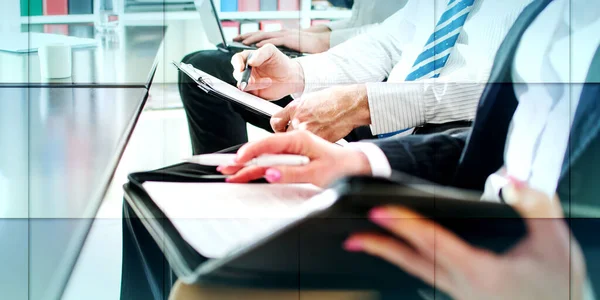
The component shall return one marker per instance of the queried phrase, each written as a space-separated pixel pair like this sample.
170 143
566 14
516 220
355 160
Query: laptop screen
210 21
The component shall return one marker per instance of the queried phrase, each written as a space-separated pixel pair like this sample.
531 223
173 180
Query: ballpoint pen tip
243 86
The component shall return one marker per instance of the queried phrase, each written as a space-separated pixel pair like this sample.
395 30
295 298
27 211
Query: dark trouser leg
146 274
216 124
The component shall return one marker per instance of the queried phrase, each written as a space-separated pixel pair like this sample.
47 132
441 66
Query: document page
217 218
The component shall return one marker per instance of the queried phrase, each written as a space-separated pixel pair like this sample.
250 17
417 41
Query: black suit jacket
466 159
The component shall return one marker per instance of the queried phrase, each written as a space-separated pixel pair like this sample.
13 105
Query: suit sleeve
433 157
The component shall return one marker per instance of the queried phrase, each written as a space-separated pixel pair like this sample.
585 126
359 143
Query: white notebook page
217 218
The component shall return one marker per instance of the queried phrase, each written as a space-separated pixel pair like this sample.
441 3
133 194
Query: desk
59 148
124 59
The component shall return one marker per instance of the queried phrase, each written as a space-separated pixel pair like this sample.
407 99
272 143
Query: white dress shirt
542 70
551 64
390 50
366 14
549 70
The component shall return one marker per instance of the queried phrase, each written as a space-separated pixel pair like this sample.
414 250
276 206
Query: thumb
238 60
280 120
542 214
290 174
532 203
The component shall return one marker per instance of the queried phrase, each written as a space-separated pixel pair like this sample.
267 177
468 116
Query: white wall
10 13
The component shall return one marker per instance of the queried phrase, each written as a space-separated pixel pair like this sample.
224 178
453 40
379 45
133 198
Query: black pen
246 74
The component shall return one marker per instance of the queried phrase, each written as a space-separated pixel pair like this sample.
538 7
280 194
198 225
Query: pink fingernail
227 179
272 175
219 168
380 216
352 245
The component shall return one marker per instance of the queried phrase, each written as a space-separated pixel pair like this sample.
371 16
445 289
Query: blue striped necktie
439 46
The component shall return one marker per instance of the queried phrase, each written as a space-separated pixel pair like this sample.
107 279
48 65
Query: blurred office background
160 137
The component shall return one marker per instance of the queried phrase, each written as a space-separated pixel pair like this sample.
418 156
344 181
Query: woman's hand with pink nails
546 264
328 162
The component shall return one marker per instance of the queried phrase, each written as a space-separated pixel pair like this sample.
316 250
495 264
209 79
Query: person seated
549 114
339 92
366 14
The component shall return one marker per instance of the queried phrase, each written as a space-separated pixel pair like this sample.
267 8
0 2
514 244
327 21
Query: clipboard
222 90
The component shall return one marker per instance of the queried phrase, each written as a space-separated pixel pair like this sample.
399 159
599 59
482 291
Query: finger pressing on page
292 174
247 174
280 143
229 170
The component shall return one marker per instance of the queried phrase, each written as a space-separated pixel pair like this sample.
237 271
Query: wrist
297 77
361 115
324 39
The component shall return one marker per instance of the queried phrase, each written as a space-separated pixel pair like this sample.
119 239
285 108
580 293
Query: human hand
547 264
318 28
328 162
331 113
274 75
297 40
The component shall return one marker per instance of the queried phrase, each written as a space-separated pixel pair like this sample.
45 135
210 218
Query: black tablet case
308 254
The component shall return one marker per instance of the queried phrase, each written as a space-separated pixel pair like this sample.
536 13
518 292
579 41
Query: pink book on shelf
55 7
248 5
56 29
289 5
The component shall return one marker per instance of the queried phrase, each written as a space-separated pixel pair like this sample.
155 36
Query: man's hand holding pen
331 113
273 75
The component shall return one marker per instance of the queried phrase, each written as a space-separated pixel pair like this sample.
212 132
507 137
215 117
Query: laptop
214 31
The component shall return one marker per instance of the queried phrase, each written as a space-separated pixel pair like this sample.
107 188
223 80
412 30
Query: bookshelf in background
248 5
259 5
81 11
55 7
31 8
288 5
81 7
268 5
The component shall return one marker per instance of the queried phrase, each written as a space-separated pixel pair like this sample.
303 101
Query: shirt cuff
315 79
380 166
337 37
337 25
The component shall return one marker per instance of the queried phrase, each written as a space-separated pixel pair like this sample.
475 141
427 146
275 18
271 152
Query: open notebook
218 218
223 90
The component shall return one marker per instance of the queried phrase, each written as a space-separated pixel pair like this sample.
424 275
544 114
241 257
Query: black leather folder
308 253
